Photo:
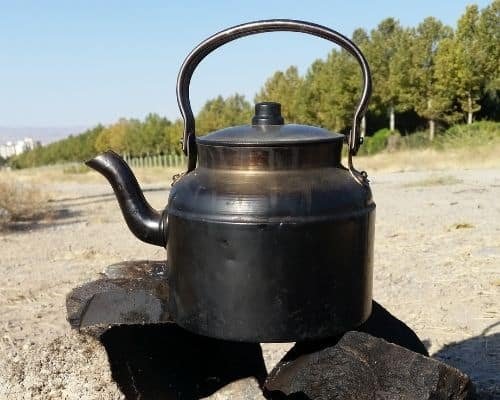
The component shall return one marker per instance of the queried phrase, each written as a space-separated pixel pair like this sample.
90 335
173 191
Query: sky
73 64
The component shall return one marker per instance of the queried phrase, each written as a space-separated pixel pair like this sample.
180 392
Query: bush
417 140
76 169
20 203
377 143
476 134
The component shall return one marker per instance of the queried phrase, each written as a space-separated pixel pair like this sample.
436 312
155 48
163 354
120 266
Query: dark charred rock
128 293
360 367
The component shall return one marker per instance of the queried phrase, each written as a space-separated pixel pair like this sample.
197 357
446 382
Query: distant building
10 149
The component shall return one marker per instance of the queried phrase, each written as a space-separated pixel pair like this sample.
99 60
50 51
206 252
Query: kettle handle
252 28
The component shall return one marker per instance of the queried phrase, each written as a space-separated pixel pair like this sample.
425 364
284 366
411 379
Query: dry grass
21 202
82 174
157 174
435 180
487 156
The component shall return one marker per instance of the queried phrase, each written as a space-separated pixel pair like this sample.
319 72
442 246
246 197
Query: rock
243 389
360 367
71 367
128 293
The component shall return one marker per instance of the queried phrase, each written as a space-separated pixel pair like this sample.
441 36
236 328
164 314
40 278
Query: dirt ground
437 261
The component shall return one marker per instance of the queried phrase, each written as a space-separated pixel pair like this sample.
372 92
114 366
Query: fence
165 160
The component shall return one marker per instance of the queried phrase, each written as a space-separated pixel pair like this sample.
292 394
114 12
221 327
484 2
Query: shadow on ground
47 219
164 362
62 212
99 198
478 357
381 324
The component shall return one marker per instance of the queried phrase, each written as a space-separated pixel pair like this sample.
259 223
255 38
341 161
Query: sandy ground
437 262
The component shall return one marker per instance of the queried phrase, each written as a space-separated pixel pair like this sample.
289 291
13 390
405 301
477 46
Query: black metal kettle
269 237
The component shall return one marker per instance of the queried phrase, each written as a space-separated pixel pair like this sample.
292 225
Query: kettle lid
268 129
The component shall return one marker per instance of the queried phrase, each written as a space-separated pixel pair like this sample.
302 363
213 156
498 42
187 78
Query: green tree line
425 75
430 76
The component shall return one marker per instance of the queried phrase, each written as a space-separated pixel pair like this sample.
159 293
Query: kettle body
280 255
269 237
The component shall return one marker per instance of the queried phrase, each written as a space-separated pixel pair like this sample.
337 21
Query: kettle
269 237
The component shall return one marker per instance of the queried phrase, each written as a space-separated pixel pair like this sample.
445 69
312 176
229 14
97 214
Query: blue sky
78 63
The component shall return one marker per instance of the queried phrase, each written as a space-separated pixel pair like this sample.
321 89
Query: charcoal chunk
128 293
361 366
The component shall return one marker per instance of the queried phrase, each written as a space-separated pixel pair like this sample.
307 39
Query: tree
424 94
221 113
440 74
330 92
469 61
489 37
361 38
387 54
149 136
73 148
172 139
460 67
488 32
119 137
284 88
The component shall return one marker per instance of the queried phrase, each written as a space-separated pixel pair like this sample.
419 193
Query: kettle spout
146 223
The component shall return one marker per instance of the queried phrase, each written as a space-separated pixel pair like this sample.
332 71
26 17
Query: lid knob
267 113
